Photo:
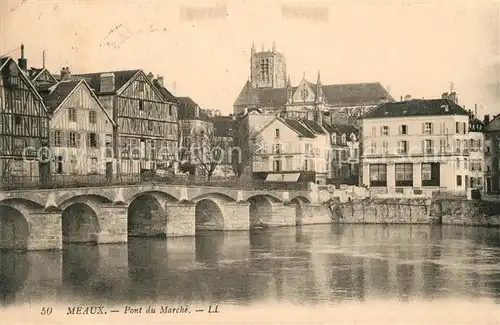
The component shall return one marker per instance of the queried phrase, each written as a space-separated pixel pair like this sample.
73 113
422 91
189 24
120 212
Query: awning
283 177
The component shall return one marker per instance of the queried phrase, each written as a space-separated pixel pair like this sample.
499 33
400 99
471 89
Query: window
385 130
141 105
334 138
458 162
385 147
403 129
277 165
170 110
464 128
277 148
74 139
402 147
92 140
459 180
150 125
442 145
288 161
466 164
277 133
466 146
373 149
72 114
305 164
428 146
374 131
142 86
378 175
430 174
57 138
92 117
404 174
457 127
428 128
457 145
344 140
17 120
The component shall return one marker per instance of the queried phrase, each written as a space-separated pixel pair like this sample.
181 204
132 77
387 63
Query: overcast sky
415 48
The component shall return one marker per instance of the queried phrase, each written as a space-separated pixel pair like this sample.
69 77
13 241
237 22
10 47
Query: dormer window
334 138
344 140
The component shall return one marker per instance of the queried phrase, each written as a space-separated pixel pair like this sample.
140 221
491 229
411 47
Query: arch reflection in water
95 272
79 224
14 270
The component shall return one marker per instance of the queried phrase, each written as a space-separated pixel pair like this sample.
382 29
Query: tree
248 143
201 148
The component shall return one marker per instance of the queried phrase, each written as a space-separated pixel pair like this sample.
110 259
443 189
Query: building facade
290 150
492 154
24 124
146 131
415 146
81 131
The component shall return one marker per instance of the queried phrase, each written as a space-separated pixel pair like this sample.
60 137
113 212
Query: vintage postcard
249 162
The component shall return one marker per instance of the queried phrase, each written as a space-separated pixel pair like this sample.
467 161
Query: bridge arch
14 229
80 223
67 199
298 203
214 195
209 214
146 214
261 209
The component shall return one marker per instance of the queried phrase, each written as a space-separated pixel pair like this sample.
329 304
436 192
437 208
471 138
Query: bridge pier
113 224
237 216
180 219
45 230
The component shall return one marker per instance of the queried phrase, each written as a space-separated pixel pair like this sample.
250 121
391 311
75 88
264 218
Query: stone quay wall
449 211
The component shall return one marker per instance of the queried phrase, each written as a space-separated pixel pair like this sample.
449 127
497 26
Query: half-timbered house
23 123
81 131
146 123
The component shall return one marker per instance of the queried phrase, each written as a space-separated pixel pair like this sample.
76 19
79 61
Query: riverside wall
449 211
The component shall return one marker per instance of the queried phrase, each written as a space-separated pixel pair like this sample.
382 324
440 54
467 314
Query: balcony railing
76 181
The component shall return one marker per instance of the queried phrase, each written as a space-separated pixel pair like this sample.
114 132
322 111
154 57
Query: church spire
318 82
262 47
288 83
253 48
289 91
274 47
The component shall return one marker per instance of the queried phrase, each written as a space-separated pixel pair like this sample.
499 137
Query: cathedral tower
267 69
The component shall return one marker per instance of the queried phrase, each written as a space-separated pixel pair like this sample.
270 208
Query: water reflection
299 265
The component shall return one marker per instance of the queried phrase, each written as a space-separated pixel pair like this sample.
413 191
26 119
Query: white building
417 146
291 150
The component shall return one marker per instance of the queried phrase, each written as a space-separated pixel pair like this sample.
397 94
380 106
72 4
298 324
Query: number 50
46 311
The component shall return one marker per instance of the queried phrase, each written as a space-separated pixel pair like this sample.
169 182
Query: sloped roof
417 107
493 126
167 95
187 110
346 129
336 95
58 94
298 127
223 126
94 79
314 126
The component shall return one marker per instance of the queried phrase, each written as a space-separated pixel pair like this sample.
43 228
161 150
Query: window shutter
98 140
65 137
78 140
432 128
88 140
52 138
423 146
432 145
423 128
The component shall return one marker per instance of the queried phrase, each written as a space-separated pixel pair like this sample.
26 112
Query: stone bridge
46 219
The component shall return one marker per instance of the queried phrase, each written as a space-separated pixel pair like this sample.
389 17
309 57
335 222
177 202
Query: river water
303 266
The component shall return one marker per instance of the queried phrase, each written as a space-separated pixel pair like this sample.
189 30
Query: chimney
22 61
159 80
65 74
107 82
151 76
475 110
310 115
453 97
444 96
245 111
407 97
486 119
